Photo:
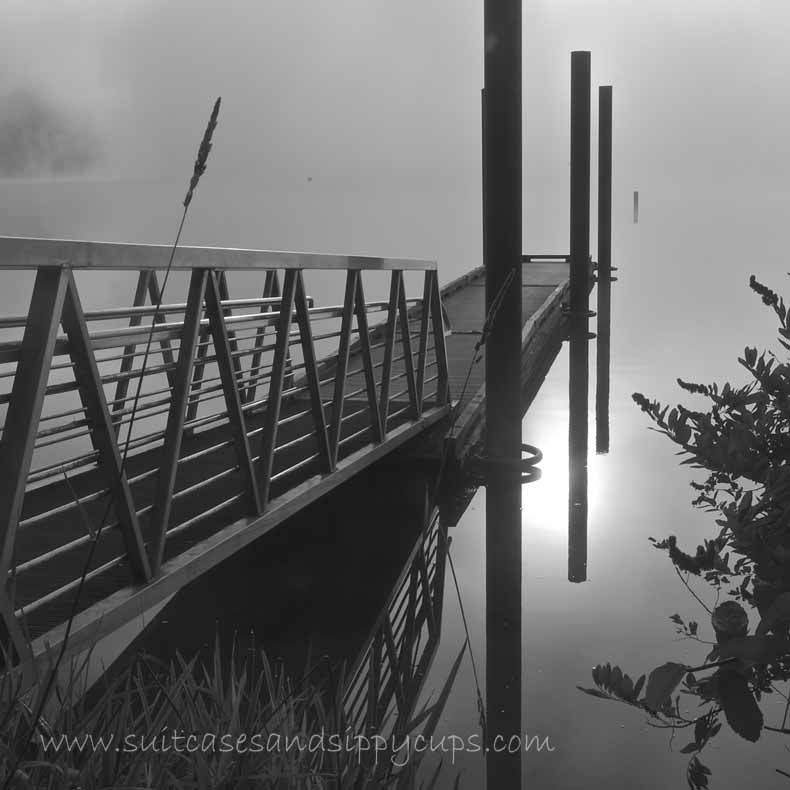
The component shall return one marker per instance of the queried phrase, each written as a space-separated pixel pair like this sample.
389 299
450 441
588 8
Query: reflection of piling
579 314
577 459
502 257
604 267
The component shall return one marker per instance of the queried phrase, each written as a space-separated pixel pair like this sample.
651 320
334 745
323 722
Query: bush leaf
740 707
662 682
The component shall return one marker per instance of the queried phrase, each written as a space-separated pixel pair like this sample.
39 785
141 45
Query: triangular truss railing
265 420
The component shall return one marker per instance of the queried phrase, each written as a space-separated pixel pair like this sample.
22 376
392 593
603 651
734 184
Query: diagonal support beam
122 387
163 498
443 383
202 352
423 352
276 381
27 399
271 289
367 361
389 347
147 283
408 359
289 376
198 370
227 312
223 347
327 452
269 285
91 391
155 295
11 633
341 369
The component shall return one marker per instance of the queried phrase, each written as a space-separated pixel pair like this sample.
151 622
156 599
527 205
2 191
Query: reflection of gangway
387 677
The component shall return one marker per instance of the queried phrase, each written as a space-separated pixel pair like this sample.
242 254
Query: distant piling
604 269
578 386
636 207
502 202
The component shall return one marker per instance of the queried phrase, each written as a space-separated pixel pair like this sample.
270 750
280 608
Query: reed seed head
203 152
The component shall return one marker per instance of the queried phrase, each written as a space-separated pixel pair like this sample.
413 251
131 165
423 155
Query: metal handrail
17 252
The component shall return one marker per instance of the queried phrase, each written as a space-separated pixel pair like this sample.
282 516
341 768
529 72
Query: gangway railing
247 409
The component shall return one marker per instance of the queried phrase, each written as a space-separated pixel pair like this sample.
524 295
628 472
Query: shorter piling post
604 268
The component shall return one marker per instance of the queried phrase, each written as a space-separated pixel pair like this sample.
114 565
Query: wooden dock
240 425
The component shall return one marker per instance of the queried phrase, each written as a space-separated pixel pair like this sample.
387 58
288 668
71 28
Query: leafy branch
742 441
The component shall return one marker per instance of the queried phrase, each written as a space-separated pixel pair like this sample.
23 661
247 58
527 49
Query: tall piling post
604 269
502 204
579 315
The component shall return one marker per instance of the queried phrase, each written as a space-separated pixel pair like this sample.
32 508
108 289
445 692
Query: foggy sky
40 138
374 87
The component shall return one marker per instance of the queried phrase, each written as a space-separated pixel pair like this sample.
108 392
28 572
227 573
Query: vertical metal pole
579 314
604 268
502 258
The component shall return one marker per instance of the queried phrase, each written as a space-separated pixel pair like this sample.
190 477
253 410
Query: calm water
682 307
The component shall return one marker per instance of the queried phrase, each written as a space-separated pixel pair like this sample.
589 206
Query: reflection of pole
502 258
579 314
577 460
604 267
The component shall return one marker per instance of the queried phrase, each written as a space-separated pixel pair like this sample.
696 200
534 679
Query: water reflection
602 373
578 428
577 454
354 584
388 674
